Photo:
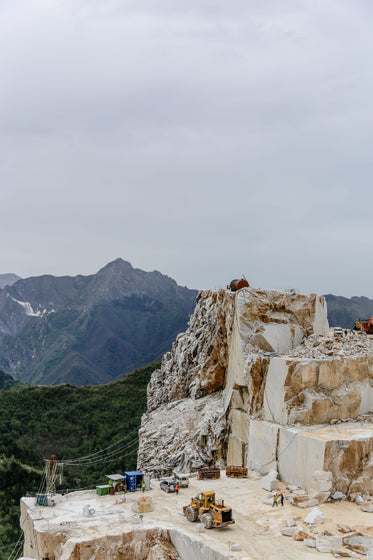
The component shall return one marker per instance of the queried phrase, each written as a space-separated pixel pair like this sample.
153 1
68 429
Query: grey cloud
204 139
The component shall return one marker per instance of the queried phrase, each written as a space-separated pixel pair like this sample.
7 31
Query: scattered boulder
314 516
299 492
326 543
358 543
290 531
367 507
359 500
290 521
322 481
327 533
323 475
268 501
309 503
311 542
338 496
366 530
273 474
143 505
316 494
295 500
301 535
344 528
342 553
269 484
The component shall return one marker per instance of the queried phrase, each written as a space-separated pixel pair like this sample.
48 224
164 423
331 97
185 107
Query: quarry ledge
65 533
302 450
83 525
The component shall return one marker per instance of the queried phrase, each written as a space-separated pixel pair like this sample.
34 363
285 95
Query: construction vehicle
182 479
365 326
210 512
238 284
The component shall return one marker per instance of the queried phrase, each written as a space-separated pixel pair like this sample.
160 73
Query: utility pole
53 469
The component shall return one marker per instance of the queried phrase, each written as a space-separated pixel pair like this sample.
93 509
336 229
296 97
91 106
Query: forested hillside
70 422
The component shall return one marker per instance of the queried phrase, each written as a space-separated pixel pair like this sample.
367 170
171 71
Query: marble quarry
257 380
109 531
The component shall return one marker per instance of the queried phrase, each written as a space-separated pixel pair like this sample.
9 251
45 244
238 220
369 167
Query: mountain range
8 279
92 329
343 312
89 329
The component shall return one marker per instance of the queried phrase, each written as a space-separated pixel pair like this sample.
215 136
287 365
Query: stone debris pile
351 540
324 348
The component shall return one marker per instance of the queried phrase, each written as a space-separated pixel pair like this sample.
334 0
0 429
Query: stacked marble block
308 419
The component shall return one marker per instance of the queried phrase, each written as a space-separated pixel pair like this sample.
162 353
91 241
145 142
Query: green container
103 489
41 500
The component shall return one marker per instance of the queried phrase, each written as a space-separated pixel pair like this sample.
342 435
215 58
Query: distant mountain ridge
343 312
8 279
89 329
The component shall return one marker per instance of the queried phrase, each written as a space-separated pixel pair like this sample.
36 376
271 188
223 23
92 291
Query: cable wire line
79 459
128 447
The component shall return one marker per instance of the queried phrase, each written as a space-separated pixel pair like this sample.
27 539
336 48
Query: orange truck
366 326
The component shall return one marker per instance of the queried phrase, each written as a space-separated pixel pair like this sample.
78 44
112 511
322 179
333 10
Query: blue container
133 480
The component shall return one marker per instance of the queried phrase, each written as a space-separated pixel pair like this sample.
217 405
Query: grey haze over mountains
8 279
89 329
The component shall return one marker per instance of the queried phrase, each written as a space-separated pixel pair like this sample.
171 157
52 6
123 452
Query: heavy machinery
238 284
365 326
210 512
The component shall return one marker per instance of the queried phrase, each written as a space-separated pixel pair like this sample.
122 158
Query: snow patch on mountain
29 310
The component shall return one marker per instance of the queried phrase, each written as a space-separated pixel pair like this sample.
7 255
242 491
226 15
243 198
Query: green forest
70 422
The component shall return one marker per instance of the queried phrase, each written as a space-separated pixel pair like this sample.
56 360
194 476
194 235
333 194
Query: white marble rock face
252 365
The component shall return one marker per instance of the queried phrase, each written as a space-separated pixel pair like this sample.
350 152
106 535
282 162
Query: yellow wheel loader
210 512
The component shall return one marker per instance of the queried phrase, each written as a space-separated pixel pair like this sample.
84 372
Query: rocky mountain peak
89 329
117 266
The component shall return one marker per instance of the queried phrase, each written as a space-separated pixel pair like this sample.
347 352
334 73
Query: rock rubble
317 347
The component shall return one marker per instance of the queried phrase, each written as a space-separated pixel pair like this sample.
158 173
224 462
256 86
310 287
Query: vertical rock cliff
212 382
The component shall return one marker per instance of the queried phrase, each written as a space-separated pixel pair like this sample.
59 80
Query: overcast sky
204 139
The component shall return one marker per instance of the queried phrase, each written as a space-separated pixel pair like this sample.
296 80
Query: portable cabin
133 480
116 481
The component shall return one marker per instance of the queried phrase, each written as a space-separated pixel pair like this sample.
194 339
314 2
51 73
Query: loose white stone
314 516
268 484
